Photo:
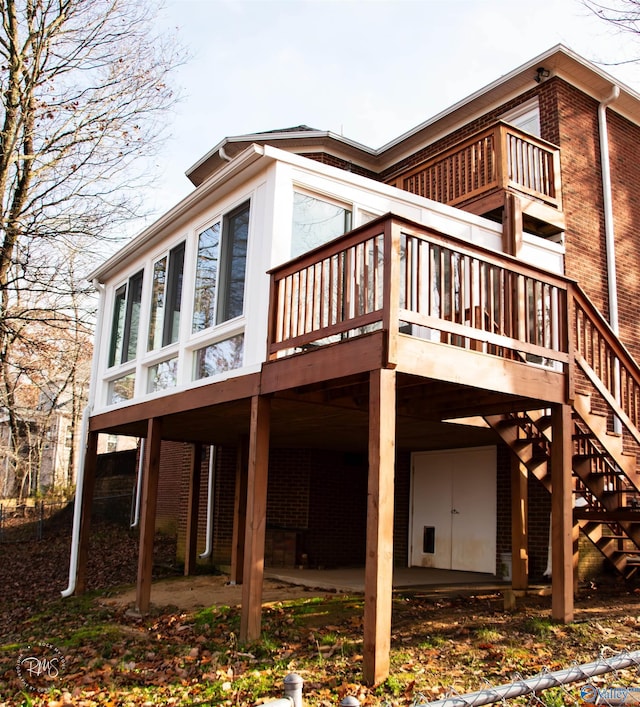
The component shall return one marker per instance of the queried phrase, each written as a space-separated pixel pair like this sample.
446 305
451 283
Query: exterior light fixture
541 73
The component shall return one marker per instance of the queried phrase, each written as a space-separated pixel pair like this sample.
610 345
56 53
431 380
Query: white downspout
136 512
212 467
77 506
609 232
77 511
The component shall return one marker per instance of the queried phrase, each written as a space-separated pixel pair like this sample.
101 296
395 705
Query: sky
367 69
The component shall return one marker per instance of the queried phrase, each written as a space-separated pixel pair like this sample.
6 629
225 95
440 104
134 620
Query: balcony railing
396 276
498 158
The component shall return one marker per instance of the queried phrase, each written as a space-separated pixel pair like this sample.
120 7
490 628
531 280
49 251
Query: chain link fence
613 679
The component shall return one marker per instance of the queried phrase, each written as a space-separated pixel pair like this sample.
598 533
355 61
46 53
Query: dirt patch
189 593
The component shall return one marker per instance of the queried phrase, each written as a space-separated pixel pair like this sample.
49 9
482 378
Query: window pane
117 328
219 357
157 304
163 375
174 296
316 222
231 295
134 298
121 389
206 278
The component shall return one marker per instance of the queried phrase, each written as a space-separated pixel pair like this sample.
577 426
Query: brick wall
225 480
624 147
345 165
585 259
172 478
322 495
503 503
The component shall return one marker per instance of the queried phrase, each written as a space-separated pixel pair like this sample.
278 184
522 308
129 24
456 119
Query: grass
173 657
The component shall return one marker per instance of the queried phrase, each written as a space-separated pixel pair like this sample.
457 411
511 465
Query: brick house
416 355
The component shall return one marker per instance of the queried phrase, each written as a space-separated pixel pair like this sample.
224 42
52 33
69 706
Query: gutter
77 506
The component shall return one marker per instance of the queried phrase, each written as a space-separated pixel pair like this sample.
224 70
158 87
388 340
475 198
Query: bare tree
623 15
84 93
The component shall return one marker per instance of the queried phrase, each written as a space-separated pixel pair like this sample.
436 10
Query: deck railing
499 157
401 278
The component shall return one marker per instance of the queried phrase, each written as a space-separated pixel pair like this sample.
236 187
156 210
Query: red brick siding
624 149
225 484
538 527
333 161
503 503
402 509
171 481
582 193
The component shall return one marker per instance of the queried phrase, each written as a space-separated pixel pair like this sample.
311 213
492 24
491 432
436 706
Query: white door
453 501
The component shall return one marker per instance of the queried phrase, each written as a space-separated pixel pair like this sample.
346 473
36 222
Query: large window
316 222
126 320
220 270
164 324
219 357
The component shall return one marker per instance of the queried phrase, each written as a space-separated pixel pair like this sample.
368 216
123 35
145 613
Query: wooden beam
561 516
378 585
239 512
347 358
88 486
257 476
150 474
193 507
519 512
441 362
228 391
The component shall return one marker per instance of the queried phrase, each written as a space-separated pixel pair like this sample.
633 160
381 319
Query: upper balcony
478 173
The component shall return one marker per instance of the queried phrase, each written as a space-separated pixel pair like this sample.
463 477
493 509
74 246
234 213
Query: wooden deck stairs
606 483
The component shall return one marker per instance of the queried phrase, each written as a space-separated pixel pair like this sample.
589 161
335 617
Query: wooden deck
377 341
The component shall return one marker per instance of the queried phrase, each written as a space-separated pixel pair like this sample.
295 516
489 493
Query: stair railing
600 354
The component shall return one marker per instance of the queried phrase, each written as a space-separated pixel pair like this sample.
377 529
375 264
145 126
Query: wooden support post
193 507
88 486
561 515
150 474
378 583
512 225
519 513
257 476
239 513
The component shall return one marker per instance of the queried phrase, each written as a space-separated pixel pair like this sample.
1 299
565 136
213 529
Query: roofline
528 66
494 93
239 163
283 135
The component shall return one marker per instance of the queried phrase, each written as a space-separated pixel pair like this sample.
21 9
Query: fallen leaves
115 657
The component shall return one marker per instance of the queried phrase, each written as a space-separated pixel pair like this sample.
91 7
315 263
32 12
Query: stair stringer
528 435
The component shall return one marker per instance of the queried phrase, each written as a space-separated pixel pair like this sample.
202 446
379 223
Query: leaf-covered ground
102 653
